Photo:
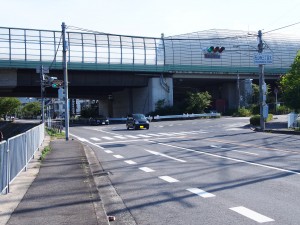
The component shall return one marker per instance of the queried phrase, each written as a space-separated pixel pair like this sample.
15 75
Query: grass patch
45 151
55 133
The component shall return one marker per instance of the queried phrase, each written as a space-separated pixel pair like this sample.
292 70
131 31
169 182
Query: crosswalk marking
200 192
154 135
251 214
131 136
151 135
144 136
120 137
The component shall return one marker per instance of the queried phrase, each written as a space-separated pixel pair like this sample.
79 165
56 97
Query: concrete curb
93 167
110 199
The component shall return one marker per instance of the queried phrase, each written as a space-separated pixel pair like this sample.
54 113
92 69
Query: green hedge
255 120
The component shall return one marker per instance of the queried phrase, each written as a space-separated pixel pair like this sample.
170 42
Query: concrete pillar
143 99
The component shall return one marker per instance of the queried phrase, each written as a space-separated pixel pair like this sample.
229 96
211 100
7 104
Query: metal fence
16 153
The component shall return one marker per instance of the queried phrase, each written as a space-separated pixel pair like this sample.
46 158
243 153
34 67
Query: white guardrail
170 117
16 153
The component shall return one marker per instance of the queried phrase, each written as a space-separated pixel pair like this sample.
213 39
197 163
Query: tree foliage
198 102
290 85
31 110
8 106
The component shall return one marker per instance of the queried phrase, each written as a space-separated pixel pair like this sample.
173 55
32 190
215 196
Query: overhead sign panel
263 58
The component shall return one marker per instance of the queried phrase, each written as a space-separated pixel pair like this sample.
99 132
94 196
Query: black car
137 121
99 121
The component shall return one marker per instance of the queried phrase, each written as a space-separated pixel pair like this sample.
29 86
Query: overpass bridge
138 71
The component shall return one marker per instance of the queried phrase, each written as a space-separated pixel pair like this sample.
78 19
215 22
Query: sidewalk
63 192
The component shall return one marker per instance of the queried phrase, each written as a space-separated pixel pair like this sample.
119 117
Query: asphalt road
208 171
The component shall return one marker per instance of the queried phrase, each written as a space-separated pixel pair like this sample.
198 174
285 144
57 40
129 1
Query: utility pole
65 69
42 92
262 98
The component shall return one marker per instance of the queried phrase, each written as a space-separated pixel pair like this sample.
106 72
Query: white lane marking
118 156
249 153
154 135
229 158
82 139
234 129
251 214
146 169
142 135
166 134
120 137
95 139
108 138
108 151
244 152
130 162
168 179
131 136
200 192
164 155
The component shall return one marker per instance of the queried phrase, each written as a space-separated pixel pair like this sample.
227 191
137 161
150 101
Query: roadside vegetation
55 133
45 151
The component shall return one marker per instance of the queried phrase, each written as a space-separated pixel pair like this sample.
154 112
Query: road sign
263 58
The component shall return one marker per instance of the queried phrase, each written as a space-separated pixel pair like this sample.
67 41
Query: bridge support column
143 99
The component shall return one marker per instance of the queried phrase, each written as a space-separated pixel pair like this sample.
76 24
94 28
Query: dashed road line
118 156
168 179
200 192
130 162
108 138
147 169
108 151
95 139
251 214
229 158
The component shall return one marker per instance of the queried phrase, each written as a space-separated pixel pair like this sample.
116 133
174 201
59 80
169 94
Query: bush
243 112
255 120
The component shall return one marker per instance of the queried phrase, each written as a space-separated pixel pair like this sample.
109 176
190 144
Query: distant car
99 121
137 121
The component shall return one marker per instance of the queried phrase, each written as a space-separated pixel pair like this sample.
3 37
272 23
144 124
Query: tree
290 86
197 102
8 106
31 110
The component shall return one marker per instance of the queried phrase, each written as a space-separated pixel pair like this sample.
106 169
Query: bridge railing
28 48
16 153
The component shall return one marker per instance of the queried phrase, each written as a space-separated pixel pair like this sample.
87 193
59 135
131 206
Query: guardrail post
8 168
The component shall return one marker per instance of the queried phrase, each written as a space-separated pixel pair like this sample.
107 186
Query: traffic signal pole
42 92
65 69
262 101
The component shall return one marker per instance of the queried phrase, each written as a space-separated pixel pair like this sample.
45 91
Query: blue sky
151 18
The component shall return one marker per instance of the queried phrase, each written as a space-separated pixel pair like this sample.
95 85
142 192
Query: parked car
137 121
99 121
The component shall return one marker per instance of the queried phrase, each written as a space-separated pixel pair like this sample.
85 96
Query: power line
282 27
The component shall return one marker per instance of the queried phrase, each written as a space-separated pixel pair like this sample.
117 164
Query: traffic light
213 49
57 83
